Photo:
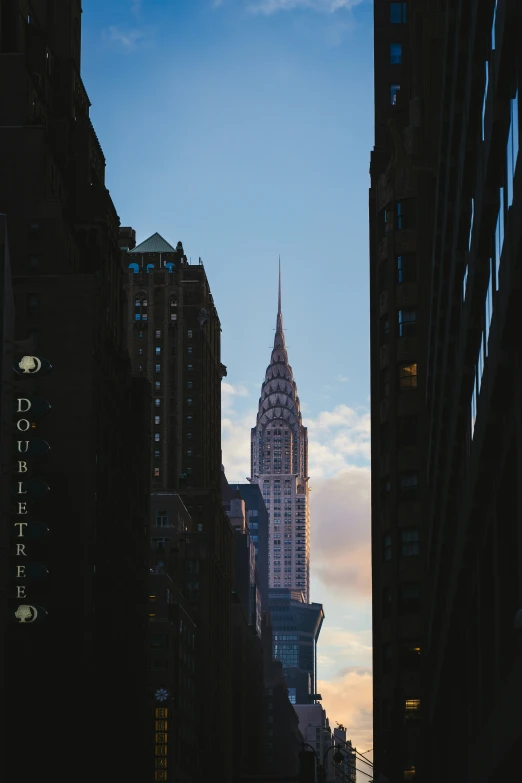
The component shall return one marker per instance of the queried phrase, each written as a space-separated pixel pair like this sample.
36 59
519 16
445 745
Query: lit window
156 472
408 376
398 13
156 419
158 368
157 402
395 53
410 542
158 350
156 436
394 90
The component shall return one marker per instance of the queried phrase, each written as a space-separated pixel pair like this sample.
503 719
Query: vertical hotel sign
27 488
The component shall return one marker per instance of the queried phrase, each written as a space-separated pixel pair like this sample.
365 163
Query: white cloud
126 39
268 7
336 439
348 700
340 532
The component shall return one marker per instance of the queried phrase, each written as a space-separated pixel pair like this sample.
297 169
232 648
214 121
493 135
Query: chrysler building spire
279 458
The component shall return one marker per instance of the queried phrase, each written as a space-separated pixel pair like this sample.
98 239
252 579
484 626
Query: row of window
405 216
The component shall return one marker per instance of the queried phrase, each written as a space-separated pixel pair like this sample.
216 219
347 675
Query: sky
243 128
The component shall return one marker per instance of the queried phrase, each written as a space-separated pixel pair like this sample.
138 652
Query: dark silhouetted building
174 335
473 516
257 521
296 626
407 56
78 570
446 402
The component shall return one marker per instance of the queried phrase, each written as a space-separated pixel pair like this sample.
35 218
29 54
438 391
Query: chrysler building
279 464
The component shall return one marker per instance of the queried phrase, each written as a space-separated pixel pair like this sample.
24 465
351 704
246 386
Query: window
189 384
189 400
157 385
405 214
385 327
407 376
173 310
157 350
189 334
140 308
394 90
412 708
156 472
189 367
409 483
156 419
485 99
189 349
395 54
162 517
410 542
398 13
157 402
512 148
158 333
499 236
407 431
407 322
156 437
406 268
140 352
156 453
140 367
158 368
387 547
189 453
410 597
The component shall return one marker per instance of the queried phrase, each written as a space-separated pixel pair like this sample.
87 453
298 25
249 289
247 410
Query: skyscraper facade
279 464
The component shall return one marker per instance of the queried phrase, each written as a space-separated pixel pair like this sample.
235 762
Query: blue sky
244 128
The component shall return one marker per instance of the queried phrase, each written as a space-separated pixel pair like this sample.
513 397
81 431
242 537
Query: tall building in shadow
78 508
407 58
174 337
473 516
445 271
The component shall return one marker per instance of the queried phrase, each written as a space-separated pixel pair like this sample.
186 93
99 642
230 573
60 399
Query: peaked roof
279 393
154 244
